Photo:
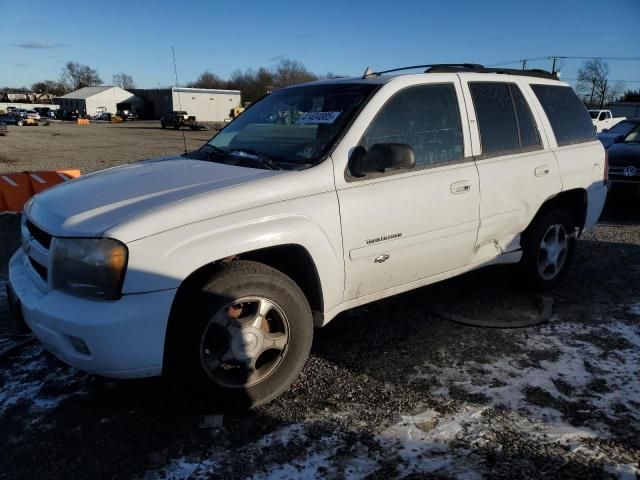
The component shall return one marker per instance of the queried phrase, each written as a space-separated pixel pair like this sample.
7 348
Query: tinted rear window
504 119
568 116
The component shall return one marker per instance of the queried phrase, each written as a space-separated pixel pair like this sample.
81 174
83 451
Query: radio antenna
175 71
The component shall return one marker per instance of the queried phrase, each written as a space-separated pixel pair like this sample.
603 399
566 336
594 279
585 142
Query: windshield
633 136
293 127
622 128
594 113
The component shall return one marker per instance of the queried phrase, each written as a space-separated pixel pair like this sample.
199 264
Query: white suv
215 266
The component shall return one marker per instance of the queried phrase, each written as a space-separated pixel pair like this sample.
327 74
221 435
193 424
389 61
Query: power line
610 80
551 57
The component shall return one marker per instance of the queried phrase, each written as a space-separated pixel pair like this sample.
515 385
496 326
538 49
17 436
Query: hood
90 205
607 138
624 154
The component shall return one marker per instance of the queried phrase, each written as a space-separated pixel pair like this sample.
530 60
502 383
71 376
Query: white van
216 265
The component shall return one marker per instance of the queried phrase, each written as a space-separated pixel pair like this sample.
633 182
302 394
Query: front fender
164 260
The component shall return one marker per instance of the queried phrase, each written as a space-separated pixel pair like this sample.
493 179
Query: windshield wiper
252 155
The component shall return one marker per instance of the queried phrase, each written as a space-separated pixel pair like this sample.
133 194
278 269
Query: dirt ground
392 389
63 145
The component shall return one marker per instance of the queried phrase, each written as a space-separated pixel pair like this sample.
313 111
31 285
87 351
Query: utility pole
524 64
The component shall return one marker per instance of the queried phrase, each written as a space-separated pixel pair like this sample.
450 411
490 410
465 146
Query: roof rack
465 67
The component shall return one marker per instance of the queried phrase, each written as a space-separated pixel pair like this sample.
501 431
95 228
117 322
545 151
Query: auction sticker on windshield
317 117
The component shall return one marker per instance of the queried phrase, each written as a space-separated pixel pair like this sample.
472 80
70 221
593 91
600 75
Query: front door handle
542 170
461 187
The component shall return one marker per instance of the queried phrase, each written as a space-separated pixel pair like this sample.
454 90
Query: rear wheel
548 248
242 336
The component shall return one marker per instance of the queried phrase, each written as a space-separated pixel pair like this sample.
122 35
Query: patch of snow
30 373
635 309
506 380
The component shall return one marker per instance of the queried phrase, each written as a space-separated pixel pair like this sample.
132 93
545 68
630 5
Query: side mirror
381 158
619 139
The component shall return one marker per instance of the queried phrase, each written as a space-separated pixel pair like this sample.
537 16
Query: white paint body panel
177 215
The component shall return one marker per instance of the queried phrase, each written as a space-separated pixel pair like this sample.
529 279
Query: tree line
593 83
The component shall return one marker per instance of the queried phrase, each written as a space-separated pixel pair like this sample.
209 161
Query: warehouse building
94 100
208 105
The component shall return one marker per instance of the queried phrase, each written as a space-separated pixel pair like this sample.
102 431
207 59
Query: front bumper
124 338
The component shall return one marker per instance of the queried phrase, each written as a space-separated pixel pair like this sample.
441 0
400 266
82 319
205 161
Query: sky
341 37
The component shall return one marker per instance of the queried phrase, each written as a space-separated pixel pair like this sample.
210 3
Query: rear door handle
462 186
542 170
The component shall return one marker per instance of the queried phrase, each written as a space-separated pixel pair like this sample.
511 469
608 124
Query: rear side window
427 117
568 116
504 119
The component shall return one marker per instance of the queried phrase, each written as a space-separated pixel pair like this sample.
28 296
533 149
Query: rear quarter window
570 121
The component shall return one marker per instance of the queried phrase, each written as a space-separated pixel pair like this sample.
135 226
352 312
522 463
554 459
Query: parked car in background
45 112
608 136
177 119
602 119
213 267
624 163
18 120
104 117
32 114
3 129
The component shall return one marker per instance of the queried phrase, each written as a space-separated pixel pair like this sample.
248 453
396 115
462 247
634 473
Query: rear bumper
124 338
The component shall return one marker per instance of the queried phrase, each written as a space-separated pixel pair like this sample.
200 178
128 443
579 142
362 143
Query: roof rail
506 71
465 67
368 73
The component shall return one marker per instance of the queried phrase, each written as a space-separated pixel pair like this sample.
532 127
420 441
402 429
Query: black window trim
515 151
372 176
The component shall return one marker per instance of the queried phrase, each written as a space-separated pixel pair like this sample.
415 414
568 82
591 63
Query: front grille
40 270
40 235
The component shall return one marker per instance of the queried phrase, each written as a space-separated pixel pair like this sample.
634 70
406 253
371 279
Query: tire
20 123
548 248
176 127
216 331
163 125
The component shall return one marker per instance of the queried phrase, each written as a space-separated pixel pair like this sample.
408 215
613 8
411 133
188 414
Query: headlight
88 267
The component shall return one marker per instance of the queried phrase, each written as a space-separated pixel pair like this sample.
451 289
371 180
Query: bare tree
75 75
615 92
252 84
593 83
208 80
123 80
291 72
49 86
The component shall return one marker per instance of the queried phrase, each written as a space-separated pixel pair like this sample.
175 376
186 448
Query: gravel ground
392 389
63 145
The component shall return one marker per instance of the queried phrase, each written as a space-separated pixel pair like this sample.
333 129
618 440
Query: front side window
293 127
427 118
568 116
504 119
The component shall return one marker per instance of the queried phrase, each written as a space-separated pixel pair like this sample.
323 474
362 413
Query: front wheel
548 247
20 123
242 336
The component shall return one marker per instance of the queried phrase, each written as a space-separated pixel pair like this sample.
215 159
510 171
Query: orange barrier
44 179
83 121
17 188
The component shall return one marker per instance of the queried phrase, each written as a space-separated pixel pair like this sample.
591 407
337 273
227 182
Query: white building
94 100
208 105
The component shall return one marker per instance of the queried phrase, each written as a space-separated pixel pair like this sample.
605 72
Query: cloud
17 64
38 45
